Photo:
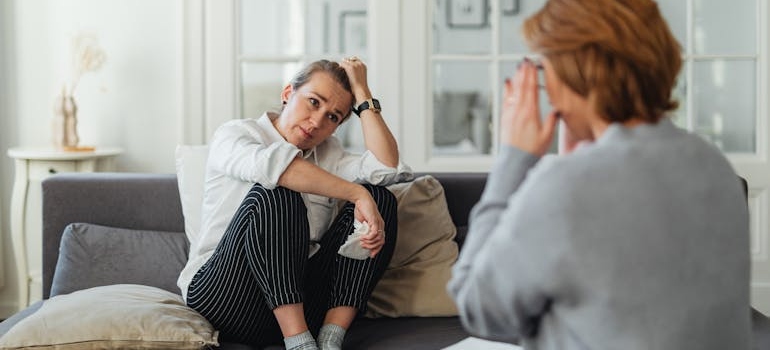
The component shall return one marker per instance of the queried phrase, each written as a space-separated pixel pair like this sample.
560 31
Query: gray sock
330 337
302 341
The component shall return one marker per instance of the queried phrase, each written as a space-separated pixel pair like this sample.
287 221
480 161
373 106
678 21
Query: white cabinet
32 167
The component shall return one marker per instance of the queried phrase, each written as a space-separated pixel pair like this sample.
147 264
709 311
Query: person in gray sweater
636 236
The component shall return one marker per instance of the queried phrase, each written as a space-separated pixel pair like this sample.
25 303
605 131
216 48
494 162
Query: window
475 45
472 45
721 67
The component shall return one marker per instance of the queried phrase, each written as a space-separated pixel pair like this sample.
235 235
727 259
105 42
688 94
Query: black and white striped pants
262 262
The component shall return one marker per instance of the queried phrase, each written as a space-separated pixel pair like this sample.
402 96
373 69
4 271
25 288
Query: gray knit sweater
638 241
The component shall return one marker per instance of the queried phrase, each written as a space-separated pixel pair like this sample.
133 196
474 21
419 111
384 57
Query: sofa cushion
404 333
122 316
414 283
94 255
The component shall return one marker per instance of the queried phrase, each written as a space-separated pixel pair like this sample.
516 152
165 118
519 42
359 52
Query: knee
278 199
258 189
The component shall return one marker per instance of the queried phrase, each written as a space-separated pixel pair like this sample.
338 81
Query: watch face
376 104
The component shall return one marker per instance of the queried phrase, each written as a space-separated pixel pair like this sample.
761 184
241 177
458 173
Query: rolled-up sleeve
366 168
242 153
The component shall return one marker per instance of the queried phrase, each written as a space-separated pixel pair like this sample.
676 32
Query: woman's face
313 111
573 109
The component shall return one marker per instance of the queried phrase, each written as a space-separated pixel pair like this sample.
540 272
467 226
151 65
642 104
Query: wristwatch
371 104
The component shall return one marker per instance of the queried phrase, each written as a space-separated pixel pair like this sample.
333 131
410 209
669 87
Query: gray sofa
151 202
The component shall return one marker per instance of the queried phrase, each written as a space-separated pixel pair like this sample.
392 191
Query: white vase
65 122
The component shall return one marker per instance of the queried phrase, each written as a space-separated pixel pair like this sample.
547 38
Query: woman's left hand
366 210
356 70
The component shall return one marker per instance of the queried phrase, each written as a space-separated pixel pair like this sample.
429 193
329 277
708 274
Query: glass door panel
461 27
261 86
336 28
725 27
461 108
512 16
264 30
725 103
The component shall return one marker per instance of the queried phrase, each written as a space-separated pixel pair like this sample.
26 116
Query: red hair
619 54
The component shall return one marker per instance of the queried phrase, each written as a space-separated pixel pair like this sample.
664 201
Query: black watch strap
372 104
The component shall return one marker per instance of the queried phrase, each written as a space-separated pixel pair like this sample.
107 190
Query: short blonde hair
619 54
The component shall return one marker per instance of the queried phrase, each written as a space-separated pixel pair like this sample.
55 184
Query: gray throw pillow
93 255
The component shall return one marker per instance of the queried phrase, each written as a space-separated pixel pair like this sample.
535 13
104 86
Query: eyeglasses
540 69
535 62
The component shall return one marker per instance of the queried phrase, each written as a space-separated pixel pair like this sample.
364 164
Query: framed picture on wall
510 7
467 13
353 32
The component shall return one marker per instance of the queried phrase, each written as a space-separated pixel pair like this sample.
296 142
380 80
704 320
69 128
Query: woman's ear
286 93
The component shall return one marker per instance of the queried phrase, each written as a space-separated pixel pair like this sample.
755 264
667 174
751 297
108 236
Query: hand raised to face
520 124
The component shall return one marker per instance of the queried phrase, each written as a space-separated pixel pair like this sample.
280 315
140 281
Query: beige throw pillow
121 316
415 282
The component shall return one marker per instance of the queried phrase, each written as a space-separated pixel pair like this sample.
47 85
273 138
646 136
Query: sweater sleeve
241 153
495 280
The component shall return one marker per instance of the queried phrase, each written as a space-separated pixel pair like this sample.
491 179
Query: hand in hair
356 70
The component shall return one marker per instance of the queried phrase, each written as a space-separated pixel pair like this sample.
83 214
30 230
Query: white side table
33 165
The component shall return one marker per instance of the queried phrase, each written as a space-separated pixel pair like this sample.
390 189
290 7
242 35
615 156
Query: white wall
134 101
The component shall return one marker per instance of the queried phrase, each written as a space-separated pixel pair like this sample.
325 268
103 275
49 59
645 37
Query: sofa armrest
127 200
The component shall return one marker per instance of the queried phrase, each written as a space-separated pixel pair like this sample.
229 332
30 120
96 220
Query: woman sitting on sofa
266 266
638 238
